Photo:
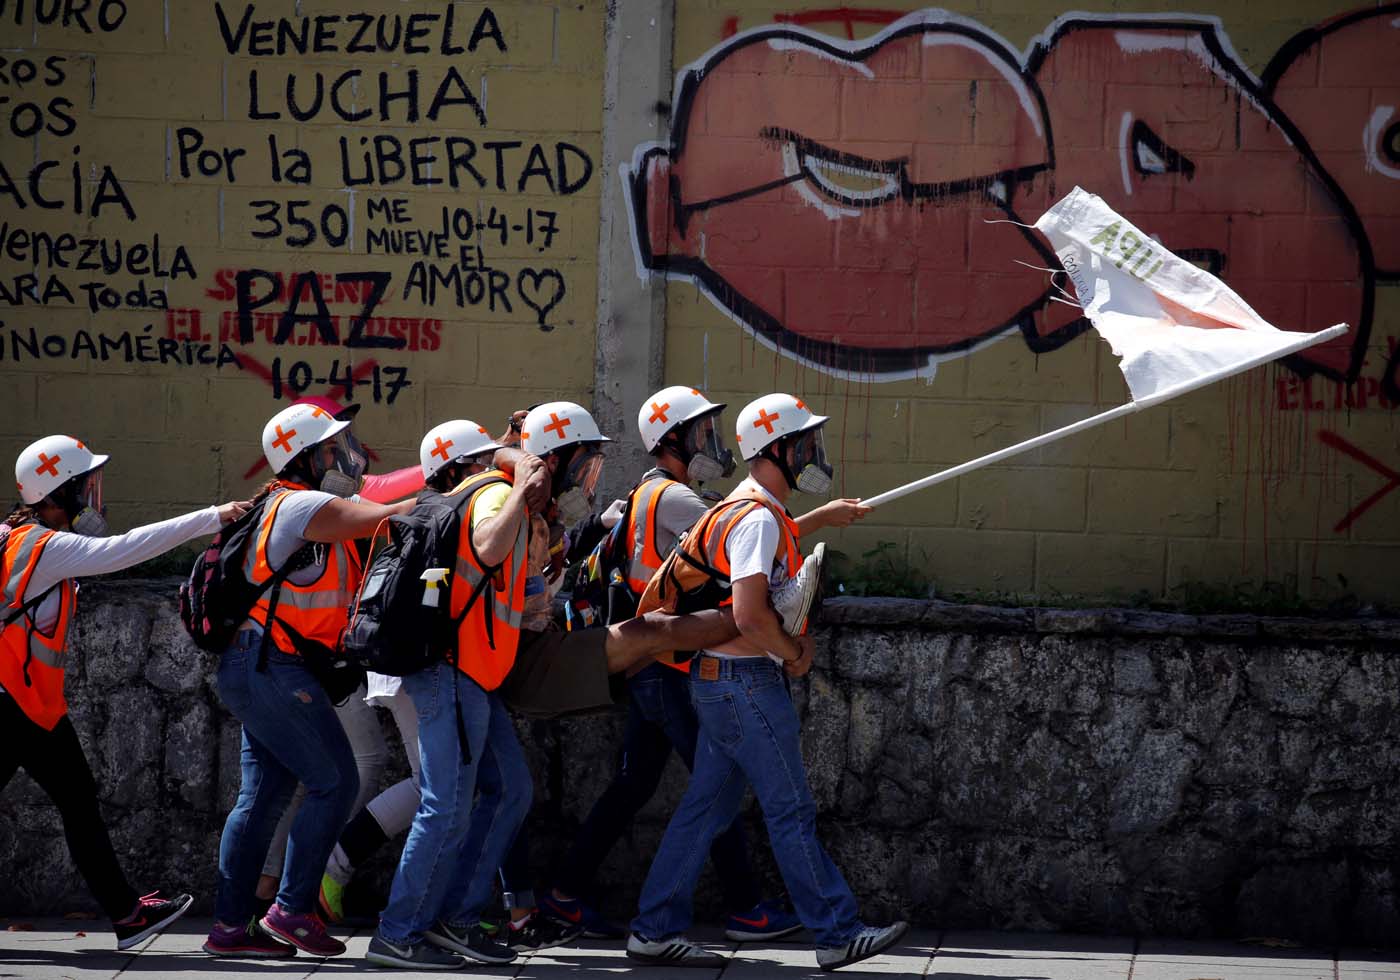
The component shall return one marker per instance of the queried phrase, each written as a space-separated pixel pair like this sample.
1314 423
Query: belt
706 667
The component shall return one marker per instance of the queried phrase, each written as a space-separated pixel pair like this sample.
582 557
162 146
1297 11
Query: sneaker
332 899
676 951
870 941
473 943
794 598
152 914
540 931
306 932
412 956
765 921
248 942
578 912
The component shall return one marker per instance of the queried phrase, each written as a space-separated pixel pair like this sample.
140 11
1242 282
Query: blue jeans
748 736
290 735
659 718
448 868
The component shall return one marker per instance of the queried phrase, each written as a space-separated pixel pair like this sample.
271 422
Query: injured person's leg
640 639
558 672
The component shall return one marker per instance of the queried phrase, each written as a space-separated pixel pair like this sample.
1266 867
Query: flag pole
1308 340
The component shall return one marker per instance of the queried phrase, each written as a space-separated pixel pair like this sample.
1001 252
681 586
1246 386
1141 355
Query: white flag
1172 324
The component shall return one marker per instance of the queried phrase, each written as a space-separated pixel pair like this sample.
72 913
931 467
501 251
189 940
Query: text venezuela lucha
302 92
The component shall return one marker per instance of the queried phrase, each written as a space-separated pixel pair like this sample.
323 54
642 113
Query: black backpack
398 624
601 595
216 599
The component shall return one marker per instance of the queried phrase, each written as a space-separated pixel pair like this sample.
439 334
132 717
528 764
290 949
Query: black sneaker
472 942
412 956
152 914
870 941
676 951
539 931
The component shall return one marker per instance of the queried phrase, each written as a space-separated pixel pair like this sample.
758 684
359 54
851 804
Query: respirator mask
810 472
87 515
347 466
575 484
703 450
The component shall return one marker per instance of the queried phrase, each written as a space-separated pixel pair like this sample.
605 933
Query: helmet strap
302 467
559 477
65 497
778 456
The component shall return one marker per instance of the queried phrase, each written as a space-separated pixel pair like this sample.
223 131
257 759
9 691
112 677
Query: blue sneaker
577 912
765 921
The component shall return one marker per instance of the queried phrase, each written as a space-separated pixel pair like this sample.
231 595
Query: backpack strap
25 609
489 572
28 606
298 560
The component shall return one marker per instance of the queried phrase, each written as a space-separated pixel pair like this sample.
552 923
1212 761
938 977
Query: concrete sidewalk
75 948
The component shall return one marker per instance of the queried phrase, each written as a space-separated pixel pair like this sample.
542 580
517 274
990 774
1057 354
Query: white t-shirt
753 550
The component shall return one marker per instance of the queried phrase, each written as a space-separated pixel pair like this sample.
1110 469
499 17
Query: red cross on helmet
765 420
555 425
294 429
454 440
669 409
44 466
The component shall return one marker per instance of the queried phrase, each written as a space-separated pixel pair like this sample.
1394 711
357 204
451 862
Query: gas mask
87 513
810 472
575 484
703 450
348 466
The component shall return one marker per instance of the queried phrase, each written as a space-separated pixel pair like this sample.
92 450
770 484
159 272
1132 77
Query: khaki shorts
557 672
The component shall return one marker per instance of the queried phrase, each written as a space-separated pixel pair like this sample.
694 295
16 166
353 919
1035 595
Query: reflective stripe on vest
645 558
31 662
489 633
317 610
726 517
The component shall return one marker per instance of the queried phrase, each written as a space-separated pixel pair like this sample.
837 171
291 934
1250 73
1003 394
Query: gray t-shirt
678 508
289 533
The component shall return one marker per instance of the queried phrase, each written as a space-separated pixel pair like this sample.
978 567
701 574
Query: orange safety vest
640 533
713 529
707 543
31 662
318 611
490 601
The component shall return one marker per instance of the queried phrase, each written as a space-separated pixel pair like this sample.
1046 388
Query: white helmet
453 441
294 429
765 420
670 408
44 466
554 425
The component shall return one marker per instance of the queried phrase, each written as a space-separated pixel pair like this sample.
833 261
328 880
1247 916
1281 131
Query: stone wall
1048 769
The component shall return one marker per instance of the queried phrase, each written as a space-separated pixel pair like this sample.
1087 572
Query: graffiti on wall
328 166
857 205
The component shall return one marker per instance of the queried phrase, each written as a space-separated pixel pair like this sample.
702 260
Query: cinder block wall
851 155
199 220
392 204
1086 771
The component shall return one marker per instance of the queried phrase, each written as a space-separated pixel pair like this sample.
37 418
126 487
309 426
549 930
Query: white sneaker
870 941
677 951
794 598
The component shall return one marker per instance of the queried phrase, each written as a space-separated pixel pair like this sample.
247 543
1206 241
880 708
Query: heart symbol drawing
536 295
